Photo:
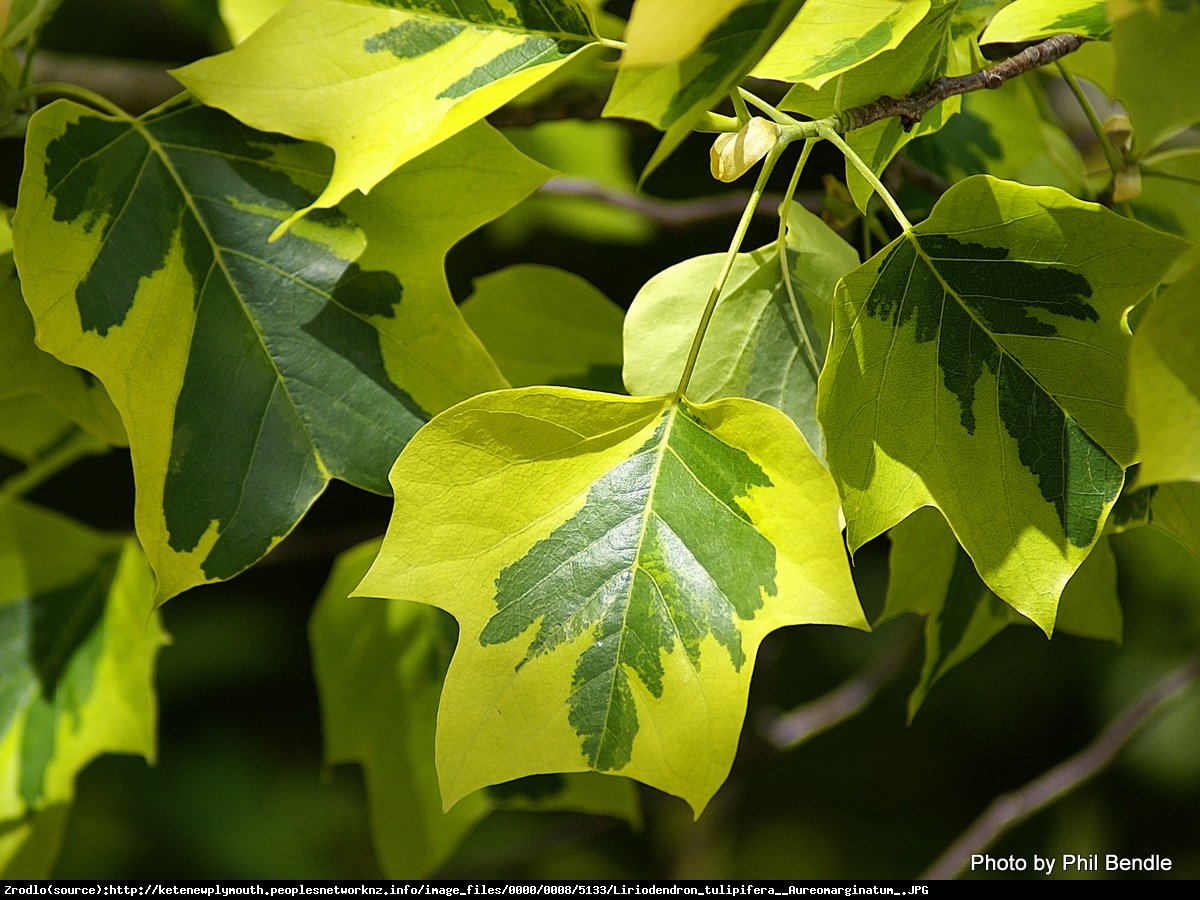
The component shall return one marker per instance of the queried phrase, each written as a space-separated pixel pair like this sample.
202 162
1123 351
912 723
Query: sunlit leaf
1033 20
546 326
1164 385
379 667
249 373
978 365
926 52
760 344
381 81
76 673
243 17
1170 197
662 31
613 564
932 576
830 37
674 96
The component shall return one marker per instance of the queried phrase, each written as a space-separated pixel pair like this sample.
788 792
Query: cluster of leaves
246 286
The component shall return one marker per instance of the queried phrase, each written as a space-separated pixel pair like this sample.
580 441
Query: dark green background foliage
238 789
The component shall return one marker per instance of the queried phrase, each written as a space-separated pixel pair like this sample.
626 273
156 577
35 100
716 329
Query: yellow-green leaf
662 31
249 373
76 676
926 51
930 575
382 81
1164 385
546 326
613 564
1033 20
829 37
672 97
243 17
379 667
768 336
978 364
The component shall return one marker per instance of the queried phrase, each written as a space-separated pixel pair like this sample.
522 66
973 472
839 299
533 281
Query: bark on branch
912 108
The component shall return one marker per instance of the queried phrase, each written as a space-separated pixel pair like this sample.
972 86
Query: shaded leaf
382 81
1170 198
1033 20
1156 78
662 31
379 668
1164 385
674 96
613 564
546 326
758 343
74 393
1002 133
932 576
78 643
279 365
978 365
31 429
1172 508
24 18
830 37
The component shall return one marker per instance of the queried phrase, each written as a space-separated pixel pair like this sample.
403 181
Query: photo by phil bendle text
1070 862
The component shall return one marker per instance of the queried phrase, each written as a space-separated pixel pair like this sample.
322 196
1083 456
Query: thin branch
1009 810
787 730
912 108
134 86
675 213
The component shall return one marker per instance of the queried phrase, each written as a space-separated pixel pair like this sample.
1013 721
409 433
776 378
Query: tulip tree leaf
1170 198
978 365
1156 78
1001 132
1033 20
79 643
1164 385
73 393
672 97
248 373
932 576
382 81
24 18
1172 508
830 37
613 564
927 51
662 31
31 430
243 17
546 326
758 344
379 667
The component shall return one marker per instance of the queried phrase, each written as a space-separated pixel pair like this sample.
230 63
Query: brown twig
1012 808
790 729
134 86
912 108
